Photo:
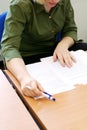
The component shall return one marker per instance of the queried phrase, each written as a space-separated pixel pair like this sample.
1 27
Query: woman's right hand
31 87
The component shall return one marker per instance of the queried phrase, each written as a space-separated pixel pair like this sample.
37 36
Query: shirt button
52 31
50 17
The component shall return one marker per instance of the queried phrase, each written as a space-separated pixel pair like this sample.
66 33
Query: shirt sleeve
14 27
70 28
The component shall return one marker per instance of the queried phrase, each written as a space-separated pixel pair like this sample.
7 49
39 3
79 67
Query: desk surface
13 114
69 112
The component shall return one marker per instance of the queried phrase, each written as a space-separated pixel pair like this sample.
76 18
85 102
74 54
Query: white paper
48 78
77 74
56 79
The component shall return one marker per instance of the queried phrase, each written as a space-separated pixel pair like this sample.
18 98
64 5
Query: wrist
26 81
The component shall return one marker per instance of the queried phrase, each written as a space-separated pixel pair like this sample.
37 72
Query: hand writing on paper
32 88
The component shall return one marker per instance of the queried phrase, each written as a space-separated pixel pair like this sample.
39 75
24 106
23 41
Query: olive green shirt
30 30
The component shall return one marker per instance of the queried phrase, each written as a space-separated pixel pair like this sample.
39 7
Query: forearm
66 42
17 67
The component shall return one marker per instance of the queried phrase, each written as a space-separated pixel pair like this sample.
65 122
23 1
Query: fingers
27 91
55 57
65 58
68 60
32 89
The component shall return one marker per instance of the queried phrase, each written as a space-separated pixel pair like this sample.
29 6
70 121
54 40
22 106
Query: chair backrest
58 36
2 20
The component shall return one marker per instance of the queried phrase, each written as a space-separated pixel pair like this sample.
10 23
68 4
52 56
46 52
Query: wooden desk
69 112
13 114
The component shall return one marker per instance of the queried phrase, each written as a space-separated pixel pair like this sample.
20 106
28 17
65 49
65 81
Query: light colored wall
80 15
80 9
4 5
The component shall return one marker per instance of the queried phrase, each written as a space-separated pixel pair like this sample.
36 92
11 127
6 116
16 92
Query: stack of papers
55 78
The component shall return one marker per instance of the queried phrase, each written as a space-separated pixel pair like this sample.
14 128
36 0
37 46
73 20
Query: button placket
50 17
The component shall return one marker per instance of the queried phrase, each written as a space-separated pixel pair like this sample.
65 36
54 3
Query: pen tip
54 99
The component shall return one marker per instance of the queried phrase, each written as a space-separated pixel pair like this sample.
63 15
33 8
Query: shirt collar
40 7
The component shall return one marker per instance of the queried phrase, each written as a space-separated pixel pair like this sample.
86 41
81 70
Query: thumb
54 57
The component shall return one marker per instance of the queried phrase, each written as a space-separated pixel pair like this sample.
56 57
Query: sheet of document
77 74
48 78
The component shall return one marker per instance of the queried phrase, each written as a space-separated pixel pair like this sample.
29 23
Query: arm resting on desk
17 67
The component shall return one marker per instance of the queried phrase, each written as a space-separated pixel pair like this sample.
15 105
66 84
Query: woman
31 32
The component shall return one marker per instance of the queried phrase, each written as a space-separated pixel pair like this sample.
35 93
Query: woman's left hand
62 54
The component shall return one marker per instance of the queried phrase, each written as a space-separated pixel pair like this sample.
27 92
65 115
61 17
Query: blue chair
2 20
58 37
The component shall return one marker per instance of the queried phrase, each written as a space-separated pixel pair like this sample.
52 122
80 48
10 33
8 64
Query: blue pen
49 96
